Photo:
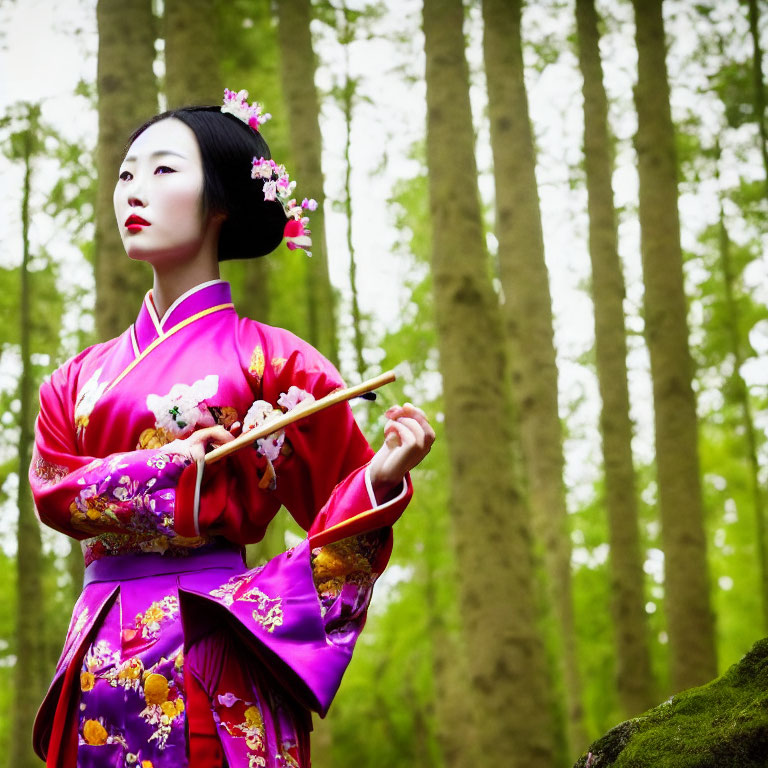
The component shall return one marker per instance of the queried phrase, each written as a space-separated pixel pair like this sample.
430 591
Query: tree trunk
634 676
509 688
348 96
689 615
741 394
449 665
127 97
191 56
528 315
30 652
301 100
759 87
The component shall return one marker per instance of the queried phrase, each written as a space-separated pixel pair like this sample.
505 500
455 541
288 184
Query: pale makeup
161 181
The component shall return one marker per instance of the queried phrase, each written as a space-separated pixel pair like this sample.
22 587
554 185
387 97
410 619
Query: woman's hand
408 436
194 447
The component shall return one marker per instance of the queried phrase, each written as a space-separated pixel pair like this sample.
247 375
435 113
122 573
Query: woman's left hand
408 436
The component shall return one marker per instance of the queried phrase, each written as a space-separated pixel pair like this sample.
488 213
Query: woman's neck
168 286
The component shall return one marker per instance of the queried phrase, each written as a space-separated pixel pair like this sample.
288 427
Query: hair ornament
278 186
237 104
277 183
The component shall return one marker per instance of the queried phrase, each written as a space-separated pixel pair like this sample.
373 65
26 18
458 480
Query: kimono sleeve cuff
377 516
186 516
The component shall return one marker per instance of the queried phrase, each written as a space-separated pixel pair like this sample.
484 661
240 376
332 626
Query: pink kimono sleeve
83 496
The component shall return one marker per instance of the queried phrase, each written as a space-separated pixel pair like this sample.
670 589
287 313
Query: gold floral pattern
268 612
336 564
256 366
148 623
94 733
47 472
81 620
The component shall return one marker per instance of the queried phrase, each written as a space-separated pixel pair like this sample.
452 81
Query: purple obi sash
140 565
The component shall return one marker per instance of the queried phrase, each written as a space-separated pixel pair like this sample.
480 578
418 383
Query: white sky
51 44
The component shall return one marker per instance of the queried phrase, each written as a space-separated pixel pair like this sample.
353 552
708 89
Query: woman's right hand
195 446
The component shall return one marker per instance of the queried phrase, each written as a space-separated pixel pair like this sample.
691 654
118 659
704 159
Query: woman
177 654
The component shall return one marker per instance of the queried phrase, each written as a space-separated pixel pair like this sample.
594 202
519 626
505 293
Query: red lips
134 223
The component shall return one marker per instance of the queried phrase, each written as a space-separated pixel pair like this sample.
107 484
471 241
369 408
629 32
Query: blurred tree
32 338
634 678
758 85
346 94
528 322
691 622
298 71
509 682
191 53
127 96
29 683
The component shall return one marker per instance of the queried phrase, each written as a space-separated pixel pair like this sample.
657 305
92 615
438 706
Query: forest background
500 187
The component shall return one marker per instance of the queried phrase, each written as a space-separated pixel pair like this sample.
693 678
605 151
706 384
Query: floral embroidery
148 623
225 415
121 543
86 400
100 656
269 612
260 414
336 564
94 732
184 409
164 705
226 592
295 396
47 472
134 502
154 437
288 755
256 366
343 571
81 620
241 719
126 675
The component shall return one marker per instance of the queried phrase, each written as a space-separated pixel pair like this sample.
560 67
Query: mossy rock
722 723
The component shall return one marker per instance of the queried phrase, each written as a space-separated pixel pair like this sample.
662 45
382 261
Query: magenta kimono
177 655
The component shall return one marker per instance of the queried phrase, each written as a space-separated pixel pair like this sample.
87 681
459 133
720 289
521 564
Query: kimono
177 654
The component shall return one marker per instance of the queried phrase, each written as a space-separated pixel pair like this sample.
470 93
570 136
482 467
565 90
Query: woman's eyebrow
158 152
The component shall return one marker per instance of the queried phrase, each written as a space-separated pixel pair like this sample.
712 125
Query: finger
413 412
416 429
217 434
404 433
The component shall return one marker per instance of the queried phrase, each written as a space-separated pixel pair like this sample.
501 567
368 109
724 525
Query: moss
724 722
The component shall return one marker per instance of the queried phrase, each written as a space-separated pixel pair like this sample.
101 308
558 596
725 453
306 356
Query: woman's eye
164 169
125 175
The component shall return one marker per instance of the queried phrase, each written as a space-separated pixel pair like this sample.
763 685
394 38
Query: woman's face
158 196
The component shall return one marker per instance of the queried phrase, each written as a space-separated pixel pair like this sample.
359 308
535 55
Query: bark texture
507 670
298 70
689 614
740 392
191 53
528 316
634 676
127 97
30 655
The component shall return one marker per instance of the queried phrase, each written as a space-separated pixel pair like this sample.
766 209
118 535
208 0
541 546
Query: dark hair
253 226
